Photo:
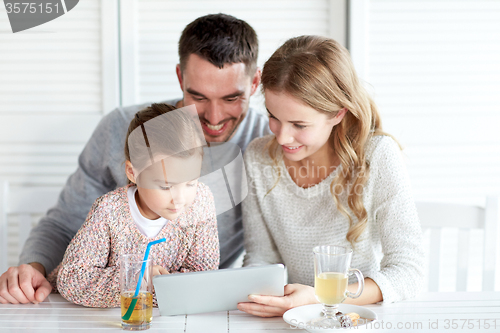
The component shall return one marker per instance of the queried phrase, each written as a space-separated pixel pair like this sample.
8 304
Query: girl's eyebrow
290 121
162 181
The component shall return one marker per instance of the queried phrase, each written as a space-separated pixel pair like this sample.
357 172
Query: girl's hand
273 306
158 270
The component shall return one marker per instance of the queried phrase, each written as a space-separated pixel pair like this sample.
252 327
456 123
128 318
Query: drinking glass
331 274
130 271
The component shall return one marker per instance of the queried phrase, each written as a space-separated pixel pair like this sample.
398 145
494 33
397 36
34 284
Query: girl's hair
318 71
175 135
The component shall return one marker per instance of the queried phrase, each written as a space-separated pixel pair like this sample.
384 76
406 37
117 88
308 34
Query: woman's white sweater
285 225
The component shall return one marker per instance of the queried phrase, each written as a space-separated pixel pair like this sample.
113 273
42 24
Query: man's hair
220 39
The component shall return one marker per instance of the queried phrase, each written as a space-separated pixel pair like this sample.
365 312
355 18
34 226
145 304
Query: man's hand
24 284
273 306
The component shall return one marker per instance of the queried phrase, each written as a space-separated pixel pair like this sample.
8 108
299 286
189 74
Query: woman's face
301 131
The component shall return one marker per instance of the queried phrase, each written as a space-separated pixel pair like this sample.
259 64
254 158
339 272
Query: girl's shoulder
258 149
113 198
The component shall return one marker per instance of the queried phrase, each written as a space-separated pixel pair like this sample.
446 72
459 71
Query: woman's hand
274 306
159 270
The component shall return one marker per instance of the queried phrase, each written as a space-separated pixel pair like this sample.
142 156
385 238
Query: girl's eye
271 116
300 126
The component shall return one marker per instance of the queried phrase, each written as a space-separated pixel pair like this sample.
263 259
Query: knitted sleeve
204 252
401 268
259 244
84 277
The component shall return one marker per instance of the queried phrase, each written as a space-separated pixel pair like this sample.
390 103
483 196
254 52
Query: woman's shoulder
258 150
382 147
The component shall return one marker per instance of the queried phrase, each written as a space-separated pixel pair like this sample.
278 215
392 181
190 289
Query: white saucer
299 317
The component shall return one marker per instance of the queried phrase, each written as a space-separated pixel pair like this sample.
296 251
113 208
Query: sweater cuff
389 295
47 264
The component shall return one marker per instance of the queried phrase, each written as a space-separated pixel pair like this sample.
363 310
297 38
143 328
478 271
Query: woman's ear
340 115
129 171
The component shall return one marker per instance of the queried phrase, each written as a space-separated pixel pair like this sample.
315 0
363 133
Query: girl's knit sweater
90 273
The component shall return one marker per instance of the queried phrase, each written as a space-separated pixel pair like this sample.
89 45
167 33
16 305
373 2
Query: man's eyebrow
194 92
235 94
291 121
232 95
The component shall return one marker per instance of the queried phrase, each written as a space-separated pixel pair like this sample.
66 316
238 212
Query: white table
430 312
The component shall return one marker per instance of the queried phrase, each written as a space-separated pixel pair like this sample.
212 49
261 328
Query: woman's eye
165 188
271 116
300 126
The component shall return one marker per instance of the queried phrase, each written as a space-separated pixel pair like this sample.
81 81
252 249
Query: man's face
221 96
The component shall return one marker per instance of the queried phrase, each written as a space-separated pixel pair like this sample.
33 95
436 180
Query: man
217 73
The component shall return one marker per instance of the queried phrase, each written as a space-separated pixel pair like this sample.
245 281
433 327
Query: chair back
21 204
436 216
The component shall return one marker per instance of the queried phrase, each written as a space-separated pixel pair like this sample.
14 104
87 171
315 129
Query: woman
328 175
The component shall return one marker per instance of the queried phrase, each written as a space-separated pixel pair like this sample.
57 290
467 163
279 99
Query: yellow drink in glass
330 287
143 310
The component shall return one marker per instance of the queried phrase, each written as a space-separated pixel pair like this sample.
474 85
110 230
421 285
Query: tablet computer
218 290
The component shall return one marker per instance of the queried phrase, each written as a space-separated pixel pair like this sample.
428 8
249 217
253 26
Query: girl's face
167 189
301 131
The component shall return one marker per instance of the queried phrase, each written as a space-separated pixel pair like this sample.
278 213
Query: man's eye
232 99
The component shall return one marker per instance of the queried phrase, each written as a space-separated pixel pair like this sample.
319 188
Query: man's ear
129 171
256 81
179 75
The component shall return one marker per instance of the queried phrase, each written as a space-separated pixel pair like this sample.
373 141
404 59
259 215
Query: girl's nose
178 197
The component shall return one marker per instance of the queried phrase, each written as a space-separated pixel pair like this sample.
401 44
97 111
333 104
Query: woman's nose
283 136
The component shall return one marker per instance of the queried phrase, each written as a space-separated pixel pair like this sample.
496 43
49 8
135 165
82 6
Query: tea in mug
330 287
143 310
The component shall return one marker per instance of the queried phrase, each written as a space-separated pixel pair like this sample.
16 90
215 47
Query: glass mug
130 271
331 275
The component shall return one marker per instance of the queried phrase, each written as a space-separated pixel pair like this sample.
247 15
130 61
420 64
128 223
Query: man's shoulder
128 112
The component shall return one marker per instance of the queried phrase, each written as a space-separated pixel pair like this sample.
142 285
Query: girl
163 160
328 175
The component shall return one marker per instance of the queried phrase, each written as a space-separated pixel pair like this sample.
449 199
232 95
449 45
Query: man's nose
214 113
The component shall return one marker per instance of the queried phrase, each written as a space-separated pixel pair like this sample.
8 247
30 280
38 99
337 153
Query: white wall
434 69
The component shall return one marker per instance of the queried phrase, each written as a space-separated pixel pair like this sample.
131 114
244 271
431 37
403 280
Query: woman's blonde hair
319 72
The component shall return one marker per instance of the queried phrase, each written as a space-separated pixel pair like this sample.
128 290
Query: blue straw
143 268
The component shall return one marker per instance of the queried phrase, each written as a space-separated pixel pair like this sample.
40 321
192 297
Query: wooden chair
24 203
436 216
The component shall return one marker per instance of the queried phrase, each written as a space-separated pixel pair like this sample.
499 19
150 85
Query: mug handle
361 283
